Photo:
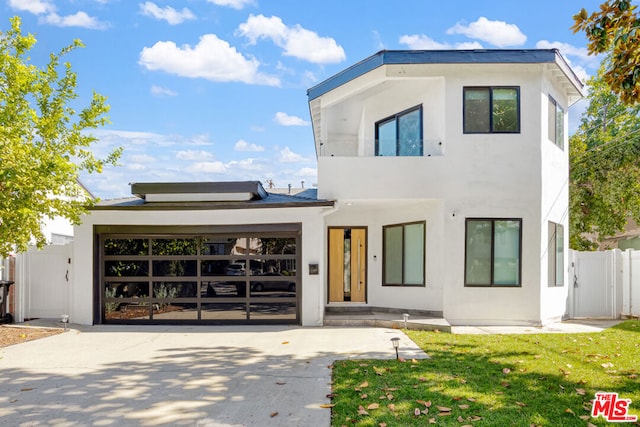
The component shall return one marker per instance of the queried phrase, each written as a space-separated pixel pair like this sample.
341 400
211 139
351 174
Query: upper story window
491 110
556 123
400 134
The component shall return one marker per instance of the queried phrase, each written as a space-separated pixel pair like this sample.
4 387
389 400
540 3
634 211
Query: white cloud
209 167
169 14
142 158
161 91
212 59
304 172
79 19
247 165
136 166
567 49
498 33
288 156
243 145
235 4
192 155
296 41
37 7
424 42
286 120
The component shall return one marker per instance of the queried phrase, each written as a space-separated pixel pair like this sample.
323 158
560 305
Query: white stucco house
442 190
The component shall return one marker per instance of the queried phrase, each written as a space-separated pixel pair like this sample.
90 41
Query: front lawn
491 380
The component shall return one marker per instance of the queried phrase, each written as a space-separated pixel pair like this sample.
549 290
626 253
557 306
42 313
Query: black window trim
556 104
395 117
490 89
492 285
552 248
424 252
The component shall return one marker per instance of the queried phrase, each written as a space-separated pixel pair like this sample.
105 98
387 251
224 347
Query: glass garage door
214 278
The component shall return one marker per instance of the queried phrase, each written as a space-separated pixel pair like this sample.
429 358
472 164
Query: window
493 252
491 110
555 254
556 123
404 248
401 134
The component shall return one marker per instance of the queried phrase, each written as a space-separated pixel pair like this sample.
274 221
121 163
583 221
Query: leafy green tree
604 166
43 141
615 29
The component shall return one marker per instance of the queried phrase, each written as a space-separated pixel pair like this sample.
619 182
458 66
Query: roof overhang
230 191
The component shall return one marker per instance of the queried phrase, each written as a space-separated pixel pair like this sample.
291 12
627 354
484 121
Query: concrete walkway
201 376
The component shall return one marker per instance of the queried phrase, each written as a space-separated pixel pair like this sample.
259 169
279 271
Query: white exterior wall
311 303
521 175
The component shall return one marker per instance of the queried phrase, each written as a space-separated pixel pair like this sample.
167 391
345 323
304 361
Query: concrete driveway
182 375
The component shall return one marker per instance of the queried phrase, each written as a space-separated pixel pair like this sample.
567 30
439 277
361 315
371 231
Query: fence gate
42 282
593 292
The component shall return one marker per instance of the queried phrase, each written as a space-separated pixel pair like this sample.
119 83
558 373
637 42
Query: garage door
220 277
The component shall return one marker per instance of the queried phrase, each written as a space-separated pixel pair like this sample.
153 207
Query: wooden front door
347 264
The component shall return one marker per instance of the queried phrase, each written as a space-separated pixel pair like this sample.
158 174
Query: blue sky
215 90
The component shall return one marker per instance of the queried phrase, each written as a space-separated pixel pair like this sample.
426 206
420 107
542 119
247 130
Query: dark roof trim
225 187
211 206
475 56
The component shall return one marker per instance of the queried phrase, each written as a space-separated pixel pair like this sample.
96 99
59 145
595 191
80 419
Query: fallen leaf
280 382
26 389
422 402
331 395
273 414
506 370
363 396
581 391
471 399
607 365
362 411
364 364
537 356
585 417
364 384
568 411
414 361
382 425
521 404
390 396
390 388
443 408
391 407
475 418
285 342
432 421
460 419
417 412
383 397
327 405
633 376
463 406
422 379
373 406
505 384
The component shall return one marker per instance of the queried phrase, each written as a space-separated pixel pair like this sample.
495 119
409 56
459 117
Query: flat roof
473 56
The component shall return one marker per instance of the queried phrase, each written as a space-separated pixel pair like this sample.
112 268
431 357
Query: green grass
492 380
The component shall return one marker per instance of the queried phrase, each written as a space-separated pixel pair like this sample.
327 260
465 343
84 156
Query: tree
615 29
44 145
604 160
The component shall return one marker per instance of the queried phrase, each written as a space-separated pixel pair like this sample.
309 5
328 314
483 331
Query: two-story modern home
442 190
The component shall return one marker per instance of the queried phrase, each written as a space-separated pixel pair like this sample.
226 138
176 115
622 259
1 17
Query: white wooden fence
604 284
43 283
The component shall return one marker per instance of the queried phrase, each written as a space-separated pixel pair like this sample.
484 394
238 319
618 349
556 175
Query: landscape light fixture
405 317
396 343
64 319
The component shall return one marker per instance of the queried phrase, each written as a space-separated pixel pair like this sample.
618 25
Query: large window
491 110
404 248
555 253
493 252
556 123
400 134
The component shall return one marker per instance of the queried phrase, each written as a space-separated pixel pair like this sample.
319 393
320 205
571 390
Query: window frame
556 128
395 118
555 229
490 89
492 272
424 252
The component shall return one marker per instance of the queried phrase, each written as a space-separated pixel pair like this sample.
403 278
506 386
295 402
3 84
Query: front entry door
347 264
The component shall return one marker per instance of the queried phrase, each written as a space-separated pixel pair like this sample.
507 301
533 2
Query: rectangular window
556 123
400 134
404 254
491 110
555 254
493 252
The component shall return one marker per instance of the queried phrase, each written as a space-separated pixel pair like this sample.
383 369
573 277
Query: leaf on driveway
273 414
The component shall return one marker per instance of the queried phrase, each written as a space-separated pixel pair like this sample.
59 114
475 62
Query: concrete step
386 320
